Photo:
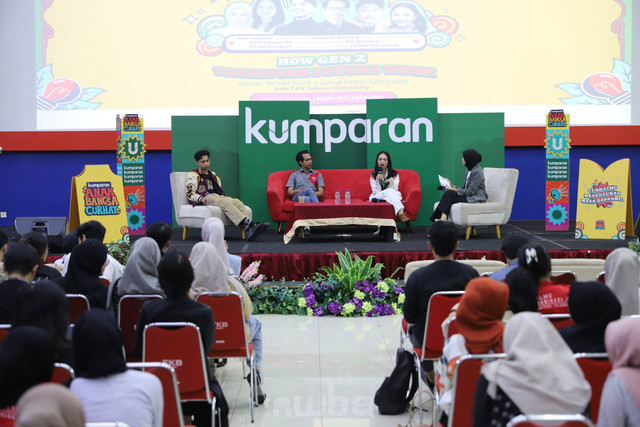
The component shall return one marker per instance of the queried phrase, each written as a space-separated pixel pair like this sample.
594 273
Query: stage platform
301 258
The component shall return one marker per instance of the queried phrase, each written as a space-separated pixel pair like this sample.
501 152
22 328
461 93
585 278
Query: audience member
620 399
523 291
45 306
552 297
538 376
592 306
622 275
175 275
203 188
40 243
213 232
444 274
49 405
4 240
20 262
95 230
69 242
86 265
26 359
161 233
107 389
479 322
511 244
141 272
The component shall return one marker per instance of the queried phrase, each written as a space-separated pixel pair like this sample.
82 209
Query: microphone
440 188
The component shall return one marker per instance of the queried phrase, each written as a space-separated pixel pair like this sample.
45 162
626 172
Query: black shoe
257 230
220 362
261 394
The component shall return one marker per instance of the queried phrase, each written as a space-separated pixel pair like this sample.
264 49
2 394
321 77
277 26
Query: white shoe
396 236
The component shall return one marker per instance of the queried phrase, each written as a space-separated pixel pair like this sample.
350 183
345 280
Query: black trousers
444 207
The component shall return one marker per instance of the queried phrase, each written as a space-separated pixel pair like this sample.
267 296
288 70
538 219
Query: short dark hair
299 156
175 274
200 154
376 2
92 230
160 232
443 236
512 243
523 290
535 259
3 239
70 241
38 240
20 258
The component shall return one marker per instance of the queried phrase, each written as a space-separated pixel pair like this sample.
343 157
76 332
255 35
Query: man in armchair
203 188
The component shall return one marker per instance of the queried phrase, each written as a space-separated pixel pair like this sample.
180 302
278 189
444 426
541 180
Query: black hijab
592 306
471 158
97 345
83 274
26 359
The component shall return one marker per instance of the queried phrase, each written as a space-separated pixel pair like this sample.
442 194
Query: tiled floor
318 372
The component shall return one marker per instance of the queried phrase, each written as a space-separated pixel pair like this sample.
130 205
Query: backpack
397 389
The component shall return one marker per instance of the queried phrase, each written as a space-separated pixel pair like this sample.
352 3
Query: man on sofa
203 189
305 182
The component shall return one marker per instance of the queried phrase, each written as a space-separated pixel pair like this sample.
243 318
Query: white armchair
501 189
188 215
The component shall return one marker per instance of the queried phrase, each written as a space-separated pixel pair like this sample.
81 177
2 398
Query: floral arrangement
250 277
634 245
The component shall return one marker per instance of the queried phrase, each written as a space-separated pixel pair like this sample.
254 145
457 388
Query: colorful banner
557 171
97 194
131 150
604 201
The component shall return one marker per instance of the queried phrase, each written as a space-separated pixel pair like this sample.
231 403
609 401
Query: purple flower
311 301
319 311
355 301
398 290
377 293
335 307
307 290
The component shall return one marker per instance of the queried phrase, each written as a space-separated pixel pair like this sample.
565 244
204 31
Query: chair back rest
4 331
585 269
563 277
596 368
179 345
450 328
559 320
439 308
501 186
129 308
172 413
465 378
230 336
78 304
178 189
62 373
481 265
601 278
569 420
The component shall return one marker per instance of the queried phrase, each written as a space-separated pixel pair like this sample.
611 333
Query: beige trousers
233 208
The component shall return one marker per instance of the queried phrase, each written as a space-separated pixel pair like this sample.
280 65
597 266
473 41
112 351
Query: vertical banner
604 208
97 194
131 151
557 171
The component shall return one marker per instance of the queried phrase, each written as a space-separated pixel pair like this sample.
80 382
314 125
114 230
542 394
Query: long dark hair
535 259
419 21
391 172
277 19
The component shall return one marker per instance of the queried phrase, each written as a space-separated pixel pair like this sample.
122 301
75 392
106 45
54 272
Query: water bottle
337 197
347 198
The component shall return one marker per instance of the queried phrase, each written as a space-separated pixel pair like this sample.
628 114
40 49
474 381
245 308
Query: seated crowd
538 373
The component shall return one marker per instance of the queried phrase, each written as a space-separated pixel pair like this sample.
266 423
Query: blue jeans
309 196
255 329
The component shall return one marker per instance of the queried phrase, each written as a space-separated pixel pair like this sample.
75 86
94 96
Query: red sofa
354 180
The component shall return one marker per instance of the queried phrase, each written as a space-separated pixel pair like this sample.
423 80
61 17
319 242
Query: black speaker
54 227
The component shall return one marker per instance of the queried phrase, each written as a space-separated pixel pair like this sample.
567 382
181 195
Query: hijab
622 275
26 359
479 315
592 306
539 372
623 346
209 272
141 272
49 405
471 158
97 345
83 273
213 232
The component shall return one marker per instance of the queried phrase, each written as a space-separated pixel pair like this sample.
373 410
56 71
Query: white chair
585 269
501 189
481 266
188 215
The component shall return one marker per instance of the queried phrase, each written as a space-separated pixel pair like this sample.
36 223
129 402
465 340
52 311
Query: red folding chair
4 331
129 308
179 345
596 368
450 329
172 413
559 320
78 304
62 373
563 277
569 420
231 338
465 379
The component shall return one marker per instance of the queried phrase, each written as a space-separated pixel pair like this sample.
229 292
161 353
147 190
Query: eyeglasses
308 159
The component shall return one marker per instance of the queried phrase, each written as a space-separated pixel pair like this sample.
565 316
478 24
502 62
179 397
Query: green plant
120 251
348 272
634 245
275 299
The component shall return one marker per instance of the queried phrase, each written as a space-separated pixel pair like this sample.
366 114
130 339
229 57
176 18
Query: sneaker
261 394
257 230
396 236
306 230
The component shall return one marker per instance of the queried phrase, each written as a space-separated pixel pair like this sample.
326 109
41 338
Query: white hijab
209 272
213 232
622 275
539 373
141 272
